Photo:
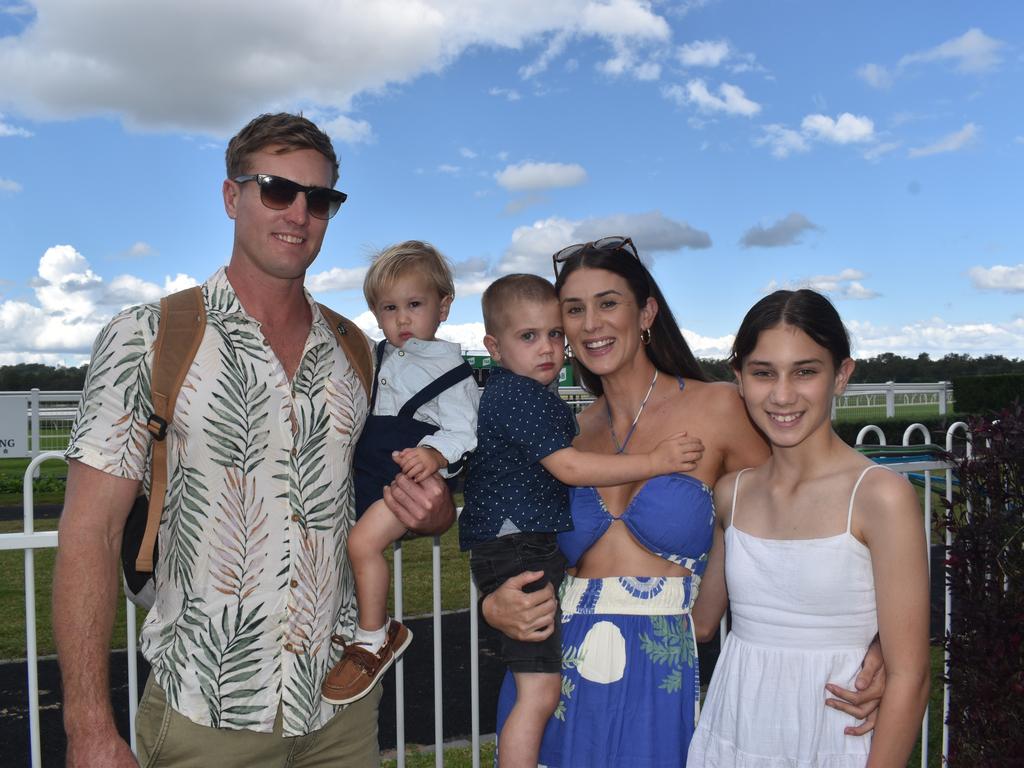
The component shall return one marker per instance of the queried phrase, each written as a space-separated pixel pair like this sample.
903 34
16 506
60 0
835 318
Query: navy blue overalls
374 467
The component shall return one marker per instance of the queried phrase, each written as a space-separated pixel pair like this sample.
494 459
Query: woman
630 668
823 548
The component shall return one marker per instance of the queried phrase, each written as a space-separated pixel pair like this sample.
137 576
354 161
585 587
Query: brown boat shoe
358 670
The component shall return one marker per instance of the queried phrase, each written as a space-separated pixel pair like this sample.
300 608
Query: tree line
873 370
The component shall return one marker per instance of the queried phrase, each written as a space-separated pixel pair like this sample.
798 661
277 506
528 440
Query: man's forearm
84 603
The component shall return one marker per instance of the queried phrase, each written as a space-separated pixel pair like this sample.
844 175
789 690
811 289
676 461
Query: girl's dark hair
668 350
805 309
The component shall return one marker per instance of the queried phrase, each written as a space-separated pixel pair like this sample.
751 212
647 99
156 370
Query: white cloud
940 337
731 99
336 279
532 176
451 170
875 75
949 143
704 53
998 278
135 66
140 248
555 47
652 232
510 94
845 129
347 130
877 151
717 347
9 185
72 303
845 285
626 62
785 231
973 51
6 129
467 153
782 140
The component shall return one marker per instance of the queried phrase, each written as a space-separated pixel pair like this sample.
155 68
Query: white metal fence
50 414
29 541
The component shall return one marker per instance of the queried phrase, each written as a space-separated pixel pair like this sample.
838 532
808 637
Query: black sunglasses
612 243
277 194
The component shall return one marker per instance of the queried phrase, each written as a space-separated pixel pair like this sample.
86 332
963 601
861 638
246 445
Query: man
252 581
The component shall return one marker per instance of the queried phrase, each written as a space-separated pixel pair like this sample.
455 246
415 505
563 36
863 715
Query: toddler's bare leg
376 530
536 698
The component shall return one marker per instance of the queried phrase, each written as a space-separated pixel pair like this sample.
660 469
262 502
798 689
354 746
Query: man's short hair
393 262
286 131
511 288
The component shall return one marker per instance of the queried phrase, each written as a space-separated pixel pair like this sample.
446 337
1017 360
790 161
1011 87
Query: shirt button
295 451
383 382
294 583
295 518
288 647
401 353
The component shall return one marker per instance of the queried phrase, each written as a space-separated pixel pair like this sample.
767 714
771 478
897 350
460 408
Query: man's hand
863 701
424 508
420 462
524 616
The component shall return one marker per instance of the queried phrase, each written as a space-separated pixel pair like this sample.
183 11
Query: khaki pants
167 738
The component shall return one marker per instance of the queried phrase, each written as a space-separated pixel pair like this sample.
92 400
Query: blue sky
871 150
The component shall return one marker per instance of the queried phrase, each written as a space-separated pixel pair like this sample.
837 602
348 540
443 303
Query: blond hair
393 262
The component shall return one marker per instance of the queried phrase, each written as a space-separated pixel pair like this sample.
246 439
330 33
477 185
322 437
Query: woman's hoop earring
645 336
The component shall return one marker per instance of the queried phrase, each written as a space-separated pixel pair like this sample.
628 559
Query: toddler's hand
677 453
419 463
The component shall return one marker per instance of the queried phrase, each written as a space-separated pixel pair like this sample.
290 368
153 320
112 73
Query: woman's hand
863 701
524 616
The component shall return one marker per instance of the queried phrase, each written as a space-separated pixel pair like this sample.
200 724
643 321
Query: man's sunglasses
612 243
277 194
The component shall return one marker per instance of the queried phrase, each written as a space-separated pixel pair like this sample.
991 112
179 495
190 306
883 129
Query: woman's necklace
632 428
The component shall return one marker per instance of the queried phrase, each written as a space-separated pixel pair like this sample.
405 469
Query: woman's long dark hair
668 350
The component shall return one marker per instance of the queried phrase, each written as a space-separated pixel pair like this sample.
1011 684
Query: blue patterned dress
629 657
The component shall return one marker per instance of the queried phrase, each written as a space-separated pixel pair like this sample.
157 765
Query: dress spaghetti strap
735 492
853 495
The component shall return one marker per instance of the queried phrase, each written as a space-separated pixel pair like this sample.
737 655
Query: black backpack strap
435 388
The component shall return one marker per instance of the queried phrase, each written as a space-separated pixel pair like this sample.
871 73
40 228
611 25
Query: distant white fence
49 415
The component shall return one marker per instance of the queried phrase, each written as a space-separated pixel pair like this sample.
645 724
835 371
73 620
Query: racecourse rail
30 540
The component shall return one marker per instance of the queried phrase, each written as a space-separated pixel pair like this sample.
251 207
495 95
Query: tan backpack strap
355 344
182 323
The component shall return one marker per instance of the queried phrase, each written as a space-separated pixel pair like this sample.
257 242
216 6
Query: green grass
48 489
417 581
454 757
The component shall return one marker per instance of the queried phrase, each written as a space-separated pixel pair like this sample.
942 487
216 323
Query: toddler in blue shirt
516 501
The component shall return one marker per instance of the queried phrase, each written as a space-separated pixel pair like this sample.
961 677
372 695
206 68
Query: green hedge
985 394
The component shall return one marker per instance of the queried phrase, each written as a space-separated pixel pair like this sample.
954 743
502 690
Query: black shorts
507 556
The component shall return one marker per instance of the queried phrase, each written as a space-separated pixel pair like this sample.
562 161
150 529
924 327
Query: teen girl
820 549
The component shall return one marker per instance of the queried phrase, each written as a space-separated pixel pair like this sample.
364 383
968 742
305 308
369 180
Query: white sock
371 639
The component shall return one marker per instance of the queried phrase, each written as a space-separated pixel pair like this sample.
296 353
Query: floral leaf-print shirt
253 578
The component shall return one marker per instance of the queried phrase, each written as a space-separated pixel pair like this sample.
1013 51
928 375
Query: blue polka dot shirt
507 490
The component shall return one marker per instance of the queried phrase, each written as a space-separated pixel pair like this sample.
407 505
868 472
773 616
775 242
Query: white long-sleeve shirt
405 371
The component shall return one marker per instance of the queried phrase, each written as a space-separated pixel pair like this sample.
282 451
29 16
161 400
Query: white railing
30 540
893 396
49 416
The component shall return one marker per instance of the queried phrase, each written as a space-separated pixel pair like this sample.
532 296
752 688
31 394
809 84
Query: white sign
13 427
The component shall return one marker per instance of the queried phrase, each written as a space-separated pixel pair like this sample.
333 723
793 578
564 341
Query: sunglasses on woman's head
612 243
278 193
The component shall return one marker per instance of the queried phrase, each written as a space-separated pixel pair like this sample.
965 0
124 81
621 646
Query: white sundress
803 615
